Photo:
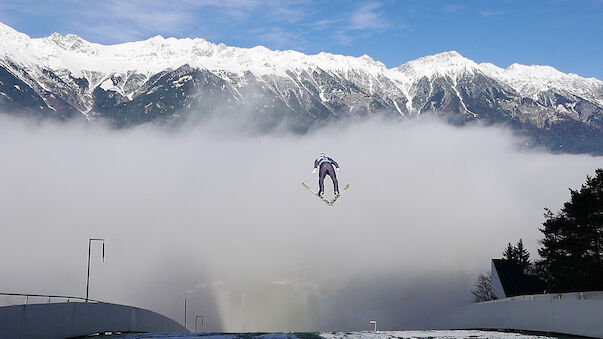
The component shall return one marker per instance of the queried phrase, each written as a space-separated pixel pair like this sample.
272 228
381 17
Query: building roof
514 282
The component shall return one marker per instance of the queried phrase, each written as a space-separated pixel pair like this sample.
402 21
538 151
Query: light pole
88 277
197 318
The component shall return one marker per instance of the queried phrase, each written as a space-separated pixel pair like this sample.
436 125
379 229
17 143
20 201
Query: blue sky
566 34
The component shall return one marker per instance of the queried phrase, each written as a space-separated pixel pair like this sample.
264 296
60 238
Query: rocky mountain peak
166 79
450 63
68 42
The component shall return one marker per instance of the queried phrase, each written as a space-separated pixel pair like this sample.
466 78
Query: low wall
567 313
63 320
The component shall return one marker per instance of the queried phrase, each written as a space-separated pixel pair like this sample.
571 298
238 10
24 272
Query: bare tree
483 288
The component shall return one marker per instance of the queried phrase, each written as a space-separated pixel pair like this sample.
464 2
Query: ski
316 194
340 193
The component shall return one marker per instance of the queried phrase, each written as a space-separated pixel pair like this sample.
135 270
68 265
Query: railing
49 296
590 295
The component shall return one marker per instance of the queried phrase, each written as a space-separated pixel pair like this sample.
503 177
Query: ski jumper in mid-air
324 166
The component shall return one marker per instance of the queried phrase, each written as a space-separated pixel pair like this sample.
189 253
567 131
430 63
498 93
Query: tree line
571 251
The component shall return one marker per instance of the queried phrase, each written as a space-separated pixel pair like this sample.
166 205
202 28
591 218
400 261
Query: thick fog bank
224 221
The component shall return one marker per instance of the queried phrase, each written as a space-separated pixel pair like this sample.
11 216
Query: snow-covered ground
443 334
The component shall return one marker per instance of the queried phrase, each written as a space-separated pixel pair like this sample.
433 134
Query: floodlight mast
89 251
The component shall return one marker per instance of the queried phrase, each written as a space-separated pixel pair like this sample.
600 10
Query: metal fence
9 299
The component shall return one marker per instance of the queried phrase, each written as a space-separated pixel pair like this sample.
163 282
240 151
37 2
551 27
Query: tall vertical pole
185 314
197 318
89 251
88 276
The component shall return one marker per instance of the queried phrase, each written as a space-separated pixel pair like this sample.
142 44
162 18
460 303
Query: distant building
508 280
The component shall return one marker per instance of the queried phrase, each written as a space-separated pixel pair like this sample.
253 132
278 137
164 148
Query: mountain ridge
205 48
159 78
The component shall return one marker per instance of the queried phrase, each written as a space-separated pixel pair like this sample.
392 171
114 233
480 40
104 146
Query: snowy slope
77 56
532 80
439 334
156 54
443 334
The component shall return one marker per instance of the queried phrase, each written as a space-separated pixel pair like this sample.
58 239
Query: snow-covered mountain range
162 79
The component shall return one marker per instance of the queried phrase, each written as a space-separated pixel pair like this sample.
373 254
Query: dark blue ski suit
326 168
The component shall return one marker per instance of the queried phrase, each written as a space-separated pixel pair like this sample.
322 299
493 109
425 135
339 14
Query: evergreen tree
522 256
509 253
483 288
572 248
518 254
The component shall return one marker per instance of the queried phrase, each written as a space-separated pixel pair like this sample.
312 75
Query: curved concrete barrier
567 313
63 320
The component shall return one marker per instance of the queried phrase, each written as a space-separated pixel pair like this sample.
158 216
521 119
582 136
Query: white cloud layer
224 221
